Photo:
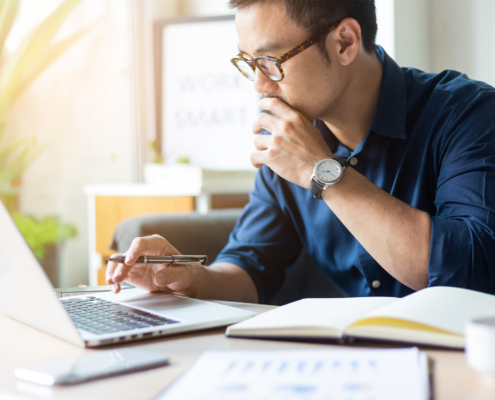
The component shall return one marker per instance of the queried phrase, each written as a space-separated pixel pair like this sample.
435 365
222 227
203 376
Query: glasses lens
245 69
269 68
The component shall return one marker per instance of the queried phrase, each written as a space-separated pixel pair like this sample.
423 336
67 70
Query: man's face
311 85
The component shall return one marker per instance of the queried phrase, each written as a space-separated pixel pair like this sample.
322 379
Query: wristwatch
326 172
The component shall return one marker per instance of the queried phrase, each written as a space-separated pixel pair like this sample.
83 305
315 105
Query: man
403 193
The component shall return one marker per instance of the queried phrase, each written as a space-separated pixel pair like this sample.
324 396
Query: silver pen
174 260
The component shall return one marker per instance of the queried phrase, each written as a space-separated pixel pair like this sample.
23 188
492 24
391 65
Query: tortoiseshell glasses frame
271 67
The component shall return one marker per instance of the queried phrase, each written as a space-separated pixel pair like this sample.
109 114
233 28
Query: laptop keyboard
101 316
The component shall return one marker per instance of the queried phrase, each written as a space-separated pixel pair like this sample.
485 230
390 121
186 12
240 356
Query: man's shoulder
448 100
451 111
449 85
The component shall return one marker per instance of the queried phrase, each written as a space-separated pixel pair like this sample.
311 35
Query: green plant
41 233
17 71
183 160
15 158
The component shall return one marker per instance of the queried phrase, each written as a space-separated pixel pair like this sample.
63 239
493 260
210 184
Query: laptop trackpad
161 303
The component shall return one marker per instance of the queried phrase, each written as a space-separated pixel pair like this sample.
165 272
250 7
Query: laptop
27 295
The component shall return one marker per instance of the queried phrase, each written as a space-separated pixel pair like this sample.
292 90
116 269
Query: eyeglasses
272 66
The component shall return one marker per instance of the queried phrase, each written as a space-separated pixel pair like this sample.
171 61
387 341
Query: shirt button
376 284
353 161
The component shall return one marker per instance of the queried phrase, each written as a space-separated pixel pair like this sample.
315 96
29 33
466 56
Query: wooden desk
21 345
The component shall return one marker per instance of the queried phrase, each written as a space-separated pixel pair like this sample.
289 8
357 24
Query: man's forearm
395 234
223 281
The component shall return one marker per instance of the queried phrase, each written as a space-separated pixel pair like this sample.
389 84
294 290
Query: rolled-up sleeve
264 241
462 247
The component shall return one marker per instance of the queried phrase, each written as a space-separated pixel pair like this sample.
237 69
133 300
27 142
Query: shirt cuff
450 253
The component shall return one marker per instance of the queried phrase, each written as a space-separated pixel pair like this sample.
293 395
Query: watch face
328 171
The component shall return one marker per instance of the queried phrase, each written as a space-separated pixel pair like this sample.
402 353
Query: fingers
276 106
154 244
268 148
109 276
258 158
287 119
150 245
111 267
264 121
178 276
121 271
262 142
116 273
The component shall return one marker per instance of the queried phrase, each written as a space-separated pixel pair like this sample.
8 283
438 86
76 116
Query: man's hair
315 15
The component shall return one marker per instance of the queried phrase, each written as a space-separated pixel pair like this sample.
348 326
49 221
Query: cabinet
110 204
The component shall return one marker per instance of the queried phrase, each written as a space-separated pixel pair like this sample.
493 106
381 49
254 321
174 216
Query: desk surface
21 345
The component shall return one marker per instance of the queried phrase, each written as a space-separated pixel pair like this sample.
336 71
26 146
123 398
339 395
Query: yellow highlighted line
402 324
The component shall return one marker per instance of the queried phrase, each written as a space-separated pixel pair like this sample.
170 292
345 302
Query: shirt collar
390 114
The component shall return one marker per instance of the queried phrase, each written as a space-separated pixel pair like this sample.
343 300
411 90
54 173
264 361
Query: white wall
79 107
434 35
385 18
413 33
463 37
205 7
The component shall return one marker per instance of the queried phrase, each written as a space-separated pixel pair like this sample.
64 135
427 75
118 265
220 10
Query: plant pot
50 264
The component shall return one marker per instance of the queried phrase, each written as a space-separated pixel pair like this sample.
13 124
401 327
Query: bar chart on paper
305 374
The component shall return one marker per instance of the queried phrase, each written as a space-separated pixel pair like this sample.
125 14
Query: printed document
389 374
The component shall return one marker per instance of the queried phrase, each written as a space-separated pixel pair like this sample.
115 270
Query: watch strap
316 189
342 161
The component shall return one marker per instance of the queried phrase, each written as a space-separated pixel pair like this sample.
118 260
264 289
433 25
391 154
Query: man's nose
263 84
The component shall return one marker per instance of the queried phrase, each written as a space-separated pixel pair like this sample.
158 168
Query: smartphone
94 366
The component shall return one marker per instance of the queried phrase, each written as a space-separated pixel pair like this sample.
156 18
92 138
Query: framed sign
205 107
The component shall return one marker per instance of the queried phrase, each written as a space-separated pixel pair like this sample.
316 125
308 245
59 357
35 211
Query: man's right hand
150 277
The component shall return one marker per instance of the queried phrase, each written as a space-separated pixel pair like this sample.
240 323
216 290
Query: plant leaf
16 157
43 232
8 12
29 50
46 59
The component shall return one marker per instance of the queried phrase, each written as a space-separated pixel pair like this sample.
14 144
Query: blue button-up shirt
431 144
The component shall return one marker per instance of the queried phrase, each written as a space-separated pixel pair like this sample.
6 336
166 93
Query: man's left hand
294 145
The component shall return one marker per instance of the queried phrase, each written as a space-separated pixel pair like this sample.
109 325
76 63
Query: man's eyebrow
263 49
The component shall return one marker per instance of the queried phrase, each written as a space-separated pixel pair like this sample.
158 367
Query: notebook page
304 374
444 308
333 314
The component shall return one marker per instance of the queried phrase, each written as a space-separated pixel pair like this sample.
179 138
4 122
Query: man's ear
346 41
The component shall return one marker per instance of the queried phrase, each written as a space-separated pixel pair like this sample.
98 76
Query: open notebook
434 316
